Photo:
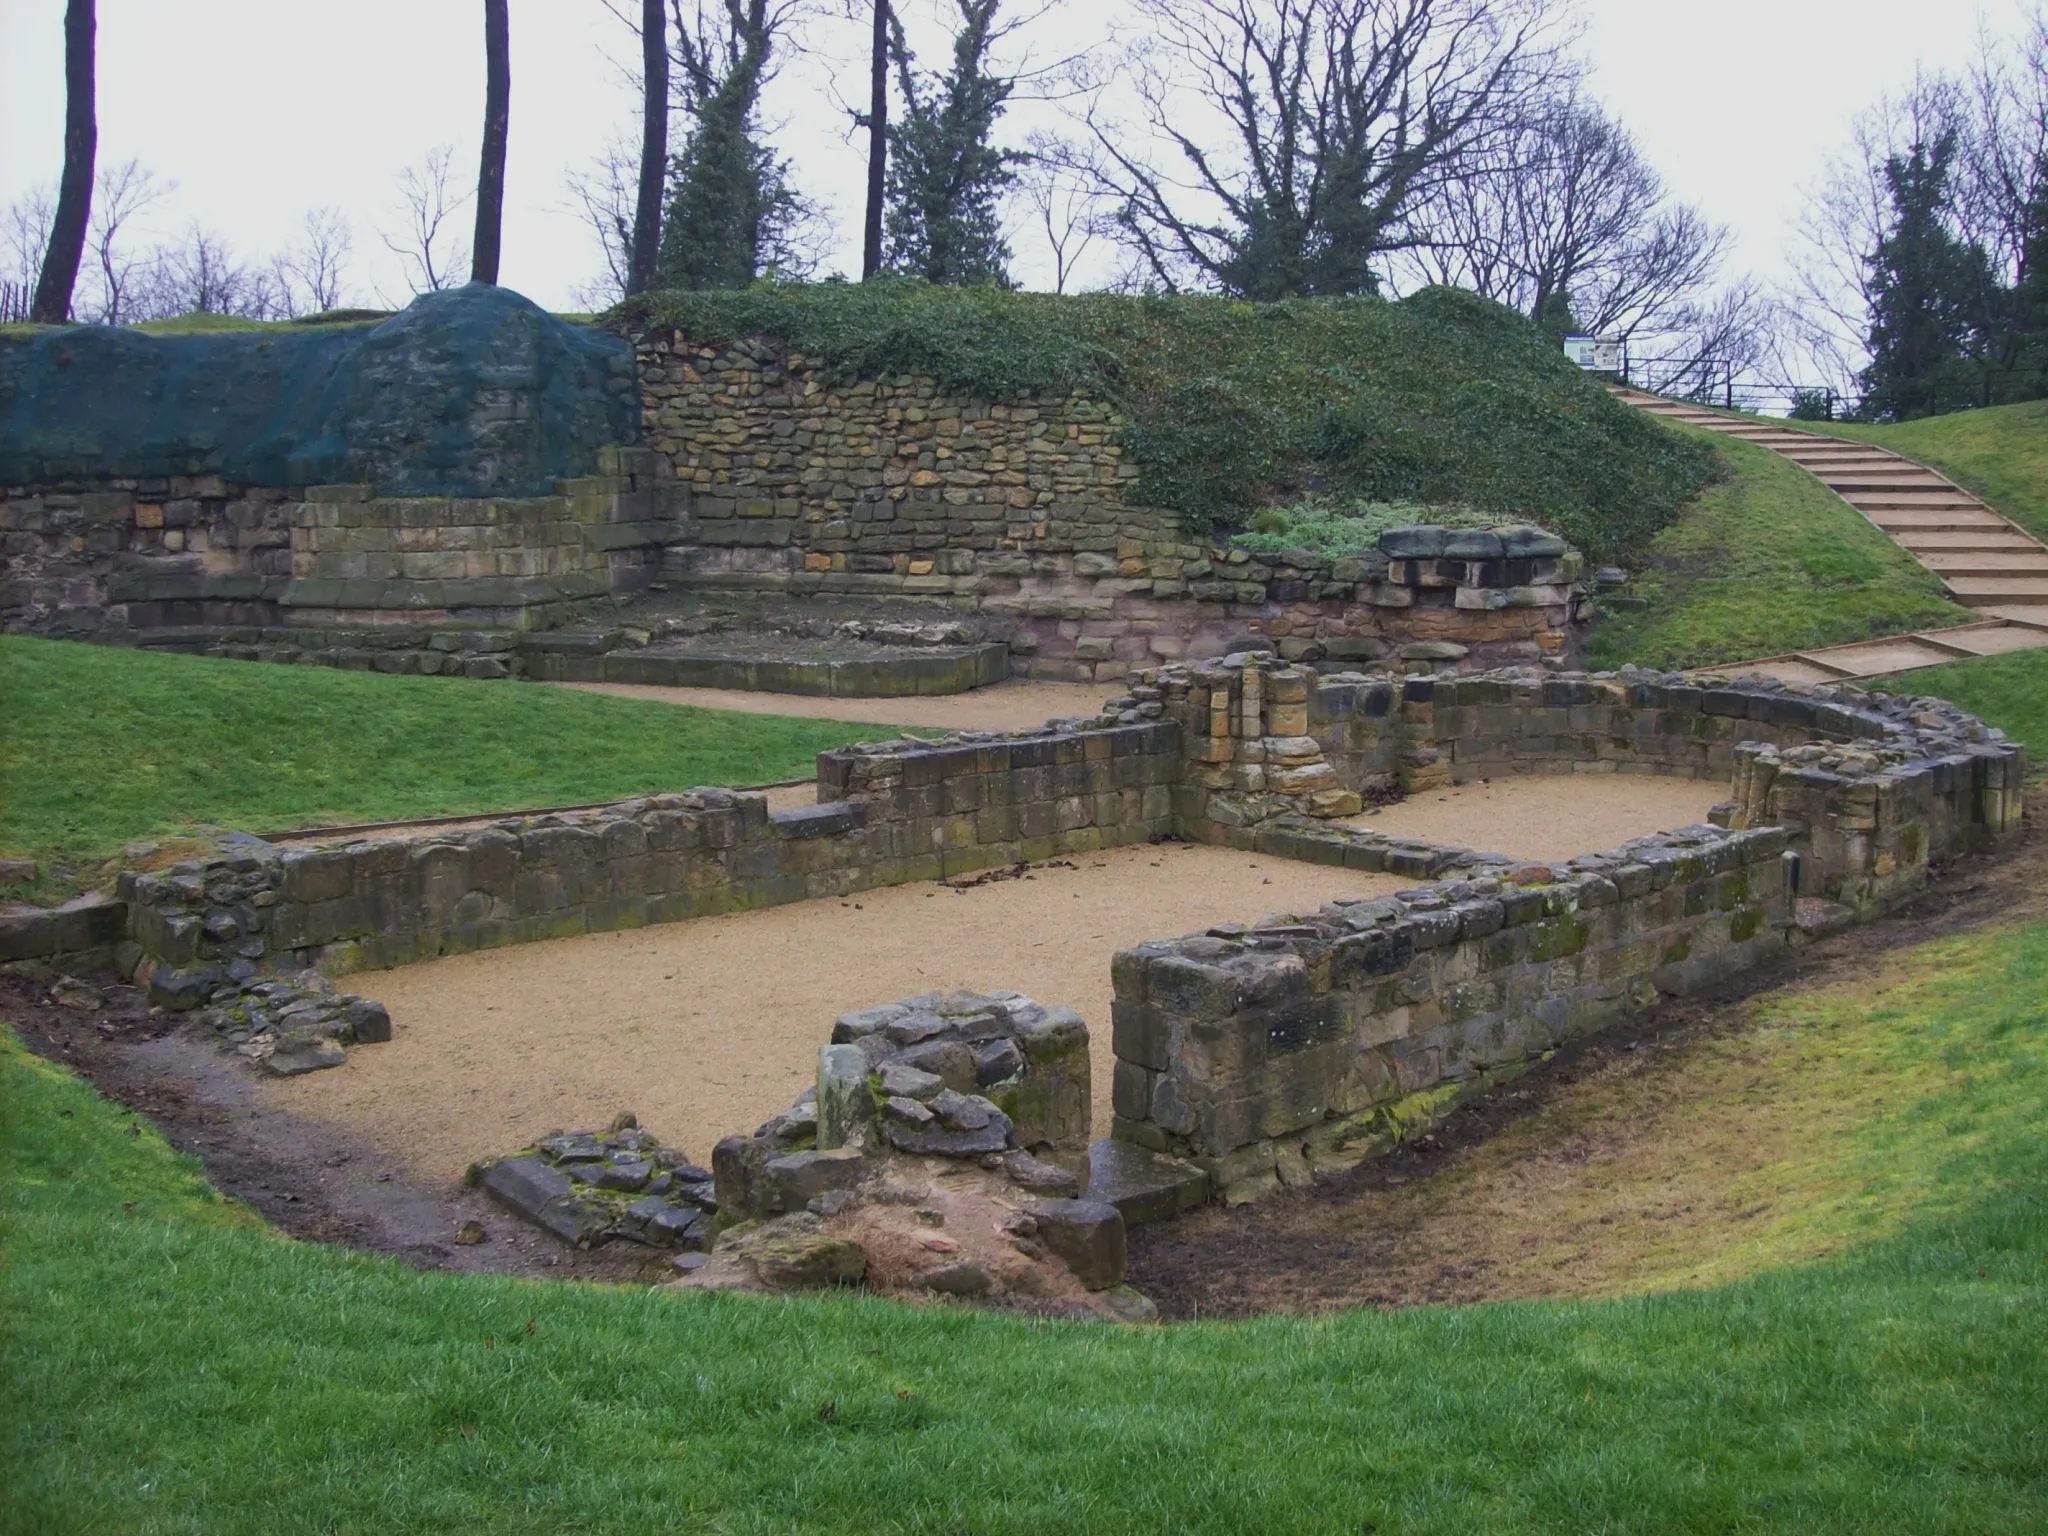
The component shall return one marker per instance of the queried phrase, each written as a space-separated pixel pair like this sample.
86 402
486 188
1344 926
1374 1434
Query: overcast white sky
260 109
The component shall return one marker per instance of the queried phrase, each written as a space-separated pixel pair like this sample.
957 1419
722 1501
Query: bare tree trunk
878 141
653 147
59 276
490 178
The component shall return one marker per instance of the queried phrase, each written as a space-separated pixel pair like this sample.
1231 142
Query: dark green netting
472 391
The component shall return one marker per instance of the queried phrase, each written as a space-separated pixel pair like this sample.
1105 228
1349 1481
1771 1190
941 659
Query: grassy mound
174 1365
2000 454
98 746
1767 560
1442 398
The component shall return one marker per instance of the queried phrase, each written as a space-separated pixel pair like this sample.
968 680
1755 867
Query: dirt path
1004 707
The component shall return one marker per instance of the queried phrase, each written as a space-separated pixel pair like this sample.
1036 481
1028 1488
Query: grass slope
2009 691
1442 398
98 746
174 1366
1766 561
2000 454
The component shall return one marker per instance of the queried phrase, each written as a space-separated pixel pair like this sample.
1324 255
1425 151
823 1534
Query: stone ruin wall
333 573
899 816
1261 1054
1256 1050
758 479
1024 512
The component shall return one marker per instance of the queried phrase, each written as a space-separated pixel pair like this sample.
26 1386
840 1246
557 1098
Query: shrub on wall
1440 398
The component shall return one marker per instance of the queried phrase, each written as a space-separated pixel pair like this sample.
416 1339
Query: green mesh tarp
472 391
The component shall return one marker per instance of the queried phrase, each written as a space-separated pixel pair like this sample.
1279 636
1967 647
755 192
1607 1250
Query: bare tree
876 122
308 273
201 275
1562 218
66 246
607 196
1063 208
425 243
653 179
126 192
1283 143
490 178
26 231
1828 300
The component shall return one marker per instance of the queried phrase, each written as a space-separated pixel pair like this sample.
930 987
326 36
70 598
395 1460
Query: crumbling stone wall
902 812
1210 752
1262 1054
137 557
894 489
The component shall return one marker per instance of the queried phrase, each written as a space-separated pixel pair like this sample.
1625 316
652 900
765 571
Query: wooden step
1992 639
1987 591
2026 615
1874 658
1999 563
1934 520
1938 543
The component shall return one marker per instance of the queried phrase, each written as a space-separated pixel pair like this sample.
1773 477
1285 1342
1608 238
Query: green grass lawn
99 746
2010 692
2000 454
1764 562
171 1365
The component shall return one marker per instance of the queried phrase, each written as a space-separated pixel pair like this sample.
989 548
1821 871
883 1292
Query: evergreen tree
731 210
1928 324
945 178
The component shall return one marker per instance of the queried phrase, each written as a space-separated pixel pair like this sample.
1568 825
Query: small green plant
1322 526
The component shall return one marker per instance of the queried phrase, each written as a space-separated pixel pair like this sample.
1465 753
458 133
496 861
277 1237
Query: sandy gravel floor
1004 707
709 1027
1549 817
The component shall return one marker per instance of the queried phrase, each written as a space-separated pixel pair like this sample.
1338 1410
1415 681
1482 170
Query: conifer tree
1926 319
945 176
731 209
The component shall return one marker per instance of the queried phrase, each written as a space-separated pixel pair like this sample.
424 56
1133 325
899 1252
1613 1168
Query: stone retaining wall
1263 1053
896 490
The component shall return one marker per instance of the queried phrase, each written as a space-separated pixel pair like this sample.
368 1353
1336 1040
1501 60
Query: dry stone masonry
406 497
1310 1042
1252 1053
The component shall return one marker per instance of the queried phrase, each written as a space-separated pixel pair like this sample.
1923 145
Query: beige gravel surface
1549 817
1003 707
709 1027
706 1028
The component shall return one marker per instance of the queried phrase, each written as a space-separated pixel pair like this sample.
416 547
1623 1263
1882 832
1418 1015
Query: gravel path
708 1027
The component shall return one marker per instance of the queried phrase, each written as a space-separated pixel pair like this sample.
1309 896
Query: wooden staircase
1985 561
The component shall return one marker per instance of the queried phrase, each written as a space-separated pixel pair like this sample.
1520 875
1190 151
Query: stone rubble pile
289 1025
942 1151
592 1187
